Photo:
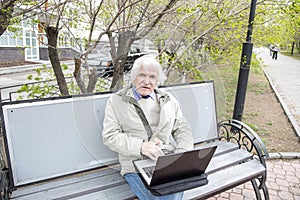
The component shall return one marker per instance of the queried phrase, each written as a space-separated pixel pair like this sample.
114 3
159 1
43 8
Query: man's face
146 80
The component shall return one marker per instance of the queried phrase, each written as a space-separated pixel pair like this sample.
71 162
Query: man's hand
151 150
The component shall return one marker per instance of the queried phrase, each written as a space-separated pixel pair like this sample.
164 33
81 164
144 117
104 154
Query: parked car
100 58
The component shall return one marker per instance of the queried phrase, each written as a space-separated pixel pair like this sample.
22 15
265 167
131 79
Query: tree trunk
124 43
117 80
293 46
77 75
6 14
93 78
52 35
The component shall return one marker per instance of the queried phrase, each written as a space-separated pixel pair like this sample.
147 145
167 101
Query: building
28 42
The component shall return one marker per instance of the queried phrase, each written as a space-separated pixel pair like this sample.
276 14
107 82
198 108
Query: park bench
54 148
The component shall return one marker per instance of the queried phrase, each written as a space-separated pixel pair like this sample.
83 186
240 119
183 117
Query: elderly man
141 120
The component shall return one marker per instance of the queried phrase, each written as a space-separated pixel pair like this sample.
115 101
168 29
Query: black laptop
174 167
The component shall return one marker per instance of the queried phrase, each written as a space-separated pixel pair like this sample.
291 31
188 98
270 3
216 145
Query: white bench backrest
197 102
47 139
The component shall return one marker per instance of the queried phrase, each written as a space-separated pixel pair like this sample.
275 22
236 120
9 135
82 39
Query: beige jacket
124 132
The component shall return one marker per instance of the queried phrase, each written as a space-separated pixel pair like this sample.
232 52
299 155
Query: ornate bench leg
266 192
256 189
4 188
259 189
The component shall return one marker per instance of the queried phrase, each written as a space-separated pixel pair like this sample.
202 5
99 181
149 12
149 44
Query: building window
4 39
9 38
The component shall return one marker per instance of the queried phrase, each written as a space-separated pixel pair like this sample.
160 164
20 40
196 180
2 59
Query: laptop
174 167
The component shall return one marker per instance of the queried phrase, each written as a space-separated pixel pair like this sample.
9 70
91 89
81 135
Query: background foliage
193 37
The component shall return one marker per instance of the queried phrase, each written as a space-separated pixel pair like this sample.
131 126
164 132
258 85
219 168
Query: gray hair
146 61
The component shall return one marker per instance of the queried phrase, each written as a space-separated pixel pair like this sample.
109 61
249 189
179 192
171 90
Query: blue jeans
140 190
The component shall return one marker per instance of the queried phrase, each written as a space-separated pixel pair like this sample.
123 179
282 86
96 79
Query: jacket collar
127 95
137 96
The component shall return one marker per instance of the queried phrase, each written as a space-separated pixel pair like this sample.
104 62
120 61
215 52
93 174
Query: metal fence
48 88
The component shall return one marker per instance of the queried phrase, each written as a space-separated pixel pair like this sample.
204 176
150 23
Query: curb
284 155
25 68
18 69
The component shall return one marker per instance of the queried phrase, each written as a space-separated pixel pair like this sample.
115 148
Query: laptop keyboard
149 170
166 151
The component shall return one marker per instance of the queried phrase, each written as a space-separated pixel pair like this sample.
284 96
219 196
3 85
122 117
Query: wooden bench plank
66 180
94 182
223 147
218 182
97 180
228 159
228 178
116 193
77 188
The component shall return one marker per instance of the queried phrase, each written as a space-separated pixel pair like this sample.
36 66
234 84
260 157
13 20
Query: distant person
270 48
275 50
123 127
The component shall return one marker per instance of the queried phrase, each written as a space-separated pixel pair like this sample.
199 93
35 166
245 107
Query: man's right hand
151 150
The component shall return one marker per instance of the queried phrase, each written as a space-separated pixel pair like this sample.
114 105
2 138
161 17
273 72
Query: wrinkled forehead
148 69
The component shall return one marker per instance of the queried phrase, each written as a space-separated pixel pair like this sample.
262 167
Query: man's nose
147 80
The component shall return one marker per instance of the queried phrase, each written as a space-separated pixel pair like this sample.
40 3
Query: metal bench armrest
241 134
238 132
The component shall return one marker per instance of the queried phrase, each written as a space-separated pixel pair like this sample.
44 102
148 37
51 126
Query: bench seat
227 178
229 167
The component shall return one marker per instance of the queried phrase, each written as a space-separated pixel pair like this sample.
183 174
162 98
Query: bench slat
223 147
116 193
99 180
227 178
218 182
85 176
63 181
91 183
229 159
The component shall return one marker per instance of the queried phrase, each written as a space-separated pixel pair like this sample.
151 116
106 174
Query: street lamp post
244 67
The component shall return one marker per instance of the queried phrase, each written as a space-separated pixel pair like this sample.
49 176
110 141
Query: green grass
229 79
253 126
257 88
288 53
270 123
